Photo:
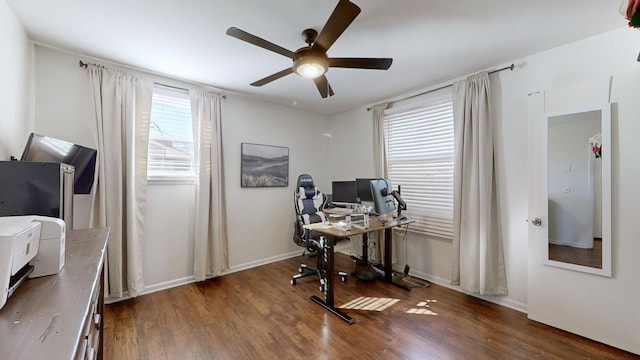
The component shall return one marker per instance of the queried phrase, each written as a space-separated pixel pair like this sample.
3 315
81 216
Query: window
420 152
170 135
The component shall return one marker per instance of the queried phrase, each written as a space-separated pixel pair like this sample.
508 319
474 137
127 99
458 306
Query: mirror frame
605 111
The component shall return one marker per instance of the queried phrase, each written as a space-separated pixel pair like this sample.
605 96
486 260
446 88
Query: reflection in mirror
578 190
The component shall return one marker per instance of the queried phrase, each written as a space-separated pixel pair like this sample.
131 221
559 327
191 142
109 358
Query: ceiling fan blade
272 77
342 16
361 63
323 86
257 41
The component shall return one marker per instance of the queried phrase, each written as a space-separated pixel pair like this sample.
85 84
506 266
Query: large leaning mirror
579 190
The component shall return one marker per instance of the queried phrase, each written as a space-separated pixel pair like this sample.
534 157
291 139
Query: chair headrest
306 188
305 181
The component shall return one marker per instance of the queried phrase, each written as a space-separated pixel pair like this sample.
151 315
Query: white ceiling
430 41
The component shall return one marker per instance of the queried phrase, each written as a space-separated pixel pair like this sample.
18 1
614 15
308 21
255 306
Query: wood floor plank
257 314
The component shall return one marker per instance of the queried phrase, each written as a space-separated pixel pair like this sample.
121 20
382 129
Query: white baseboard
341 248
261 262
148 289
502 301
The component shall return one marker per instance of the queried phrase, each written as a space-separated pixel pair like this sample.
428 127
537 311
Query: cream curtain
478 262
379 149
121 106
379 164
211 251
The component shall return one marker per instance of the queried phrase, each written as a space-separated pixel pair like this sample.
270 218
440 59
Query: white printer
51 251
30 246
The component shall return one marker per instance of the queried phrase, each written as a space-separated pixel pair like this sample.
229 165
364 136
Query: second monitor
343 192
363 189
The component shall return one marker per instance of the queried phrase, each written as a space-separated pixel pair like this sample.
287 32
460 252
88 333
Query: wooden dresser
60 316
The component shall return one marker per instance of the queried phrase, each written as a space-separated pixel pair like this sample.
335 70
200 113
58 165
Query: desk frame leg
333 310
388 266
365 249
388 269
328 302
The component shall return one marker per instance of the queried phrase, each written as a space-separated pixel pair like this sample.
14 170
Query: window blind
170 135
420 152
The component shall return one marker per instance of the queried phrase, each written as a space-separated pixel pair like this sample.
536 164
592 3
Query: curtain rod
510 67
84 65
170 86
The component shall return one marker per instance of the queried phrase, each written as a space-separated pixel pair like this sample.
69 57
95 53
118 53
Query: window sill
170 181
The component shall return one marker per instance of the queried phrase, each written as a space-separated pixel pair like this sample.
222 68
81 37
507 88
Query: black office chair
309 203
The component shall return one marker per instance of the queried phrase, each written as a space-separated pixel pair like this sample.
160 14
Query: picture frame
264 165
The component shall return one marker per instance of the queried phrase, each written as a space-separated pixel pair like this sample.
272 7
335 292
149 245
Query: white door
562 294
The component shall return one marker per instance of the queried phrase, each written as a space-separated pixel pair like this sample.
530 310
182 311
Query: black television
343 192
41 148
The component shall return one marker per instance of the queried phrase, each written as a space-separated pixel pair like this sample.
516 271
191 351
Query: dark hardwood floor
257 314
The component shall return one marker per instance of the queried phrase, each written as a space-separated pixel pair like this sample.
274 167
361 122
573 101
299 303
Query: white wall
16 97
260 222
600 308
260 219
351 152
603 55
62 110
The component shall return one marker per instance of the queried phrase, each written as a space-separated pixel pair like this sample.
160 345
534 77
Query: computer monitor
343 192
383 201
41 148
363 189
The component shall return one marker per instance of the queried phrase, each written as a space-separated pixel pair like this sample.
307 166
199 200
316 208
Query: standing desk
333 234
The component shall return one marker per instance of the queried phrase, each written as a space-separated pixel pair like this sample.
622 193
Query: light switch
567 189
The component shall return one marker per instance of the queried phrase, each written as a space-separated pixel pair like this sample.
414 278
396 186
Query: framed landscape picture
264 166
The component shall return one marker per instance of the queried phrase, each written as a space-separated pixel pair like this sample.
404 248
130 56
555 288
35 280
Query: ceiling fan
312 61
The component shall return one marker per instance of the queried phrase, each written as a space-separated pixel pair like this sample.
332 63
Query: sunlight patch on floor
423 308
370 303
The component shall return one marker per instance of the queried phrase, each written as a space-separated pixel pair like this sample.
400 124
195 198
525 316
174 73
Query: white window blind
170 135
420 152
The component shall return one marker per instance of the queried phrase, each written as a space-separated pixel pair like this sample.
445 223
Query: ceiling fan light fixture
312 61
310 67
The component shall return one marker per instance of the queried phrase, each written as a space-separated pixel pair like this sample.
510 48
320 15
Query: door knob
536 222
